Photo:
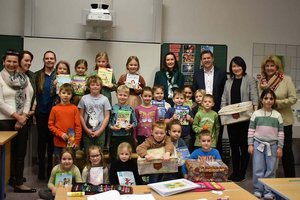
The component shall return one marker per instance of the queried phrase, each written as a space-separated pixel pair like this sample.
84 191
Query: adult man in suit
212 80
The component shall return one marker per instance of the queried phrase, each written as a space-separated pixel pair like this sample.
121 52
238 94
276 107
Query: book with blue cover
161 106
183 154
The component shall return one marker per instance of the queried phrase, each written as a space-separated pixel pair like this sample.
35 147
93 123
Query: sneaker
257 194
269 196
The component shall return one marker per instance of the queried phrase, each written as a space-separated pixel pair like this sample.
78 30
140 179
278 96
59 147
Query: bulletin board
188 57
10 42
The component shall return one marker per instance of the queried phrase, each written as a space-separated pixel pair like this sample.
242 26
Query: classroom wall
236 23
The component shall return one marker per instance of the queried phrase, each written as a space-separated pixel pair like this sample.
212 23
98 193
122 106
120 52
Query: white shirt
209 80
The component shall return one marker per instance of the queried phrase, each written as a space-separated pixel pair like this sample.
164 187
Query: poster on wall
188 57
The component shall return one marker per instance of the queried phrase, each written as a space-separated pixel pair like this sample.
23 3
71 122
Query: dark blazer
218 85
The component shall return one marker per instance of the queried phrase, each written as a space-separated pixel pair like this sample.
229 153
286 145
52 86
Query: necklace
266 114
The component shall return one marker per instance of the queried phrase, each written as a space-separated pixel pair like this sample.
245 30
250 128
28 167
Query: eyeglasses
95 156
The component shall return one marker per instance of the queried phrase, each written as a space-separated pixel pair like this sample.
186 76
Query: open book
167 188
115 195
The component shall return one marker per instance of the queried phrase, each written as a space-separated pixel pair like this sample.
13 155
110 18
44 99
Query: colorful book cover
126 178
63 179
123 119
188 103
105 75
61 79
96 175
167 188
132 81
79 84
182 112
183 154
71 139
161 108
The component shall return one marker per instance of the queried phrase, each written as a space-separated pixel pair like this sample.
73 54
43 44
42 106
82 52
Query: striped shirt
266 127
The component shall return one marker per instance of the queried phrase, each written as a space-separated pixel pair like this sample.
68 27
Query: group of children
146 126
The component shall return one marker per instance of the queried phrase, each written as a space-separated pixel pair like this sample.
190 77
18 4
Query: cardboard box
207 170
236 113
157 165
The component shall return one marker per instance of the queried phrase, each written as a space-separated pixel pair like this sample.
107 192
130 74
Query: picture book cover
182 112
183 154
96 175
161 108
71 139
123 119
188 103
61 79
126 178
105 75
167 188
63 179
79 84
132 81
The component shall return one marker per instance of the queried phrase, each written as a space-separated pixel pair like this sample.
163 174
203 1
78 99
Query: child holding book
91 173
94 114
182 113
64 122
62 69
157 139
206 150
79 80
146 114
62 175
124 167
133 80
158 100
207 119
265 140
122 121
188 91
102 62
174 131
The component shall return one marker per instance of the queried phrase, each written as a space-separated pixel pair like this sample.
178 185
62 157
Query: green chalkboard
188 56
10 42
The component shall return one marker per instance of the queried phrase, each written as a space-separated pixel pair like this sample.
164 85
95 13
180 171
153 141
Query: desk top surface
6 136
286 187
232 190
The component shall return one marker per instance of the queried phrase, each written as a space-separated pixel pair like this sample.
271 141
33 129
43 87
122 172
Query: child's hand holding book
166 156
148 157
65 137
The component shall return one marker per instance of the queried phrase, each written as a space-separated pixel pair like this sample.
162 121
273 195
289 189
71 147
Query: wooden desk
232 190
287 188
5 137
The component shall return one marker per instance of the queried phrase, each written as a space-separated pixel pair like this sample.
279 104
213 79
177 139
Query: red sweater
61 118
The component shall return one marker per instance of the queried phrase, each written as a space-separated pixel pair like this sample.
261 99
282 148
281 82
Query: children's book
161 108
79 84
61 79
123 119
105 75
132 81
167 188
182 112
126 178
96 175
71 139
188 103
183 154
63 179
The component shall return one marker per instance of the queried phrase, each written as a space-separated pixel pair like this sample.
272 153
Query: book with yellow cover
105 75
